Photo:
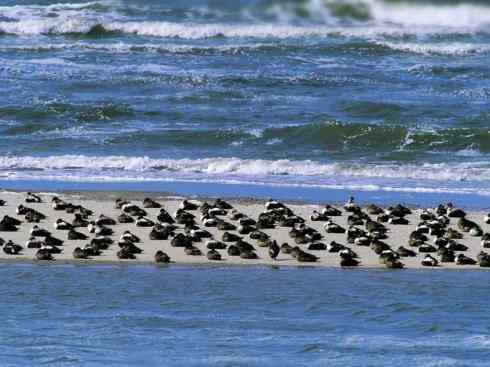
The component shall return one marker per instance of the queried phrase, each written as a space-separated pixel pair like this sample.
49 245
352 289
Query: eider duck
244 246
216 245
392 262
349 262
102 242
331 227
44 254
213 255
79 253
151 204
447 255
230 237
127 235
466 225
429 260
398 221
318 217
39 232
92 250
53 241
76 236
286 248
165 217
303 256
33 216
58 204
246 229
131 247
32 198
214 212
273 204
248 255
134 210
355 220
159 232
453 234
465 260
187 205
425 248
7 226
405 252
62 225
379 246
350 206
455 246
331 211
317 246
258 235
125 254
221 204
373 209
453 212
124 218
120 202
79 221
348 259
34 243
225 226
233 250
334 247
181 240
11 248
483 259
104 220
52 249
476 232
161 257
485 240
144 222
192 251
99 230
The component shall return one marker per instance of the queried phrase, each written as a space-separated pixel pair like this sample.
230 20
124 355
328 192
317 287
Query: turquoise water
377 95
65 315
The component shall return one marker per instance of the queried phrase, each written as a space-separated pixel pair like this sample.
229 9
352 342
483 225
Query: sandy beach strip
104 203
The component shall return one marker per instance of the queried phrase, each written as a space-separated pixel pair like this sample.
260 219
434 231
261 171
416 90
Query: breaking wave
479 171
265 18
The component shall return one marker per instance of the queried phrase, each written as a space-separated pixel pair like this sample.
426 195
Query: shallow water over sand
64 315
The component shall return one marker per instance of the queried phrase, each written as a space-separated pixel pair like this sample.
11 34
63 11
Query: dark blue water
65 315
352 94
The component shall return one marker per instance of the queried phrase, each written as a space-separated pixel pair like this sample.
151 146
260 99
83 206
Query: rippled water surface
64 315
354 94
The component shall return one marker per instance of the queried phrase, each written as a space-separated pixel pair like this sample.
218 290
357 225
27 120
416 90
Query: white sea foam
453 48
423 15
444 49
384 18
211 30
476 171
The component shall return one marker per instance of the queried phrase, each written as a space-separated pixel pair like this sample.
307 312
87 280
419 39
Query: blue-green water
376 95
65 315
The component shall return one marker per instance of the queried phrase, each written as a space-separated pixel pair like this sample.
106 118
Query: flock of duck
433 237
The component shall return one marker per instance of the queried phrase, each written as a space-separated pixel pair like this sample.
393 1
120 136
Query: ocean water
374 95
66 315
